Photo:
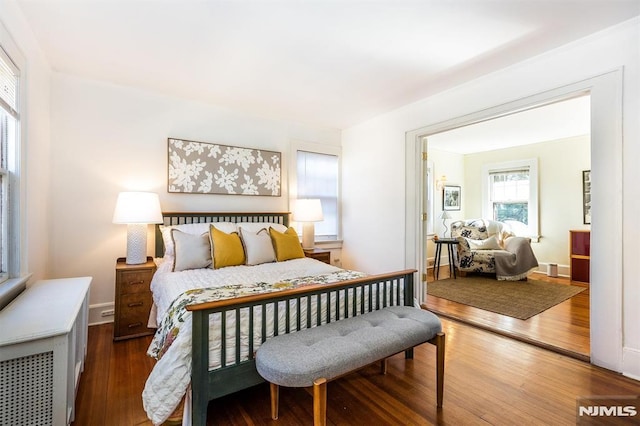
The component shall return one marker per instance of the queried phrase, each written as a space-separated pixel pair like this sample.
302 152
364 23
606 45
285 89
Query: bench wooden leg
439 341
275 399
383 366
320 402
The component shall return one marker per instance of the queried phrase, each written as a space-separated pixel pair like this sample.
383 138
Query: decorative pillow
490 243
255 227
226 249
257 246
191 251
193 229
473 232
287 245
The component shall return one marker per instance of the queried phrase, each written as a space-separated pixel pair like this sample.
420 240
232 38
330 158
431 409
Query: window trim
293 176
532 165
17 263
430 194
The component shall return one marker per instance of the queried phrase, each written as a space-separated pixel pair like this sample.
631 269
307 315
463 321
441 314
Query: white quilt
170 377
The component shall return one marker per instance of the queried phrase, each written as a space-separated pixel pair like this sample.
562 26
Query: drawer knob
135 324
136 282
131 305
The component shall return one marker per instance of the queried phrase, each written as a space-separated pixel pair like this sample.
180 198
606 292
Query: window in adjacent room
317 176
510 195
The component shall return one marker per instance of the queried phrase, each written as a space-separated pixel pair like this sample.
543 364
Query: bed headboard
183 218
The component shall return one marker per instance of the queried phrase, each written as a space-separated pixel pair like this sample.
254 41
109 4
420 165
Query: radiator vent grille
26 390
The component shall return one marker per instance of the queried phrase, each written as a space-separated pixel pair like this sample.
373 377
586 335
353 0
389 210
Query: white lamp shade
308 210
445 215
137 207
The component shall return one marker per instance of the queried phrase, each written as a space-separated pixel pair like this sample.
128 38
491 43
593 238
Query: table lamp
307 211
444 216
137 210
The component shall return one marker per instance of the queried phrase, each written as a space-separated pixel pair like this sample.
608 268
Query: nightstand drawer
134 281
134 313
133 299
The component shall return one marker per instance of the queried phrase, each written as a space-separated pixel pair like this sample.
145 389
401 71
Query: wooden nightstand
133 299
319 254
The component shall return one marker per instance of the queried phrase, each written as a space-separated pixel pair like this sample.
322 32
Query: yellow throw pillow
287 245
226 249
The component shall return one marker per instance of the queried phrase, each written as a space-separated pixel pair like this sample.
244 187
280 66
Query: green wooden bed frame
383 290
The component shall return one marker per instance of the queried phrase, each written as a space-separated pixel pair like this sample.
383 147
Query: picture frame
212 168
586 197
451 197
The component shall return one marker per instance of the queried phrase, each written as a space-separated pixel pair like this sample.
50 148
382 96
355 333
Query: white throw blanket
517 262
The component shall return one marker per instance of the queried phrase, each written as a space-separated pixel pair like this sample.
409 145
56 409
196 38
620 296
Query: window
9 125
510 195
317 176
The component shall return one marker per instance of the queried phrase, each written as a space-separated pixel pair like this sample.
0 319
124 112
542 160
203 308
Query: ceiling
551 122
333 63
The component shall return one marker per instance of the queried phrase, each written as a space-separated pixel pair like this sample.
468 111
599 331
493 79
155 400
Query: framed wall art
209 168
451 198
586 197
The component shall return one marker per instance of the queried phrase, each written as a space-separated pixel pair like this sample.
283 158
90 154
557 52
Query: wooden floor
489 379
563 328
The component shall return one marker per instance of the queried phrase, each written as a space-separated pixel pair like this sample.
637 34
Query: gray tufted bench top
311 357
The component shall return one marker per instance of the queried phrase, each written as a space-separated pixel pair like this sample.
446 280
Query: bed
211 321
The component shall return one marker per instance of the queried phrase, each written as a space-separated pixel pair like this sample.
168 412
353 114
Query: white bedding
166 286
170 377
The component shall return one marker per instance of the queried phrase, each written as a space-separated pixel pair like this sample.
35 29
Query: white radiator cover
43 346
26 390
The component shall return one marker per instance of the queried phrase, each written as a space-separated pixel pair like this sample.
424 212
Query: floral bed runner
174 321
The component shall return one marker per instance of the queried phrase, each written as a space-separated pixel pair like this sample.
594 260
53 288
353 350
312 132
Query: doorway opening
544 207
605 290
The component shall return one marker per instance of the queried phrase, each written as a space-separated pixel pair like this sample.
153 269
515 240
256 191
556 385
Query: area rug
518 299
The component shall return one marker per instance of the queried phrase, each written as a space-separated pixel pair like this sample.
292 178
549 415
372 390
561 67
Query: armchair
489 246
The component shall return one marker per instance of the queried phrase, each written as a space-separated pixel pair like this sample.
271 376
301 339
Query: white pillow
257 246
193 229
490 243
191 251
256 227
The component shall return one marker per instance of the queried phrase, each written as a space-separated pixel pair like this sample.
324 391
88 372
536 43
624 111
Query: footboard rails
304 306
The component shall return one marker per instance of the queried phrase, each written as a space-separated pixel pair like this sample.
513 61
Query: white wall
452 166
374 221
560 166
35 80
109 138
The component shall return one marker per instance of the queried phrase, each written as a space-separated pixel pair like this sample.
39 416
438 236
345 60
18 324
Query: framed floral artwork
209 168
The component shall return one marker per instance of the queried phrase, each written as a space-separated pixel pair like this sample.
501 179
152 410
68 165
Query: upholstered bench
314 356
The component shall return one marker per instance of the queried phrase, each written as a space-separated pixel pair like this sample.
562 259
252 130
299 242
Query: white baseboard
101 313
563 270
631 363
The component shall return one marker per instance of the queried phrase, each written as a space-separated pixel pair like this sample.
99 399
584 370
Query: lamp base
136 243
308 235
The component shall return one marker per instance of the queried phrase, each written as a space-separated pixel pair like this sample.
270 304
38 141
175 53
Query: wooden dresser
580 255
319 254
133 299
